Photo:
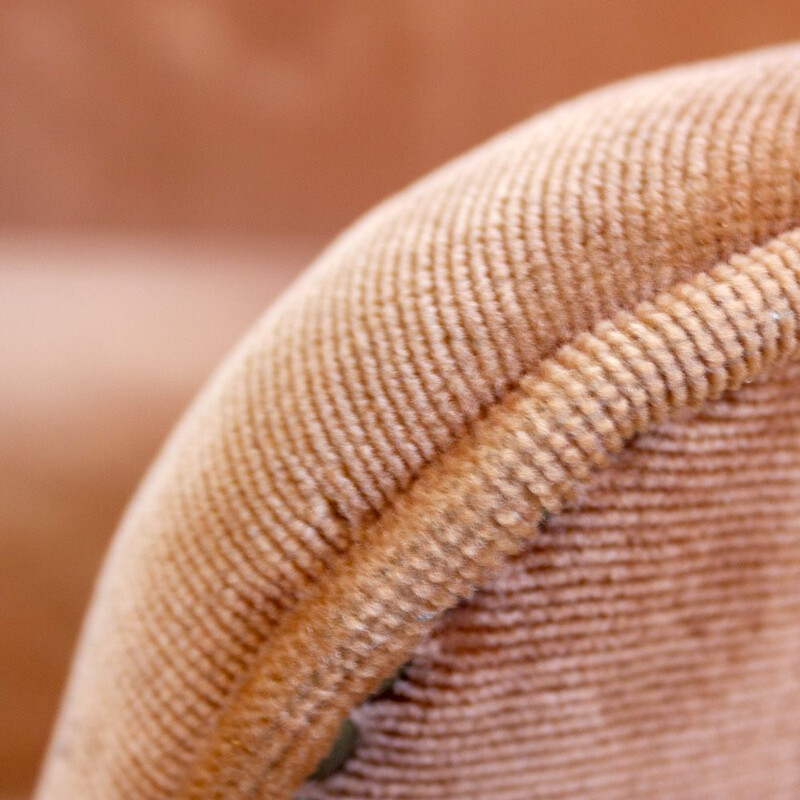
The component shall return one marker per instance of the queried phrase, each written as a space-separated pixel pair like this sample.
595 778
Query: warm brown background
166 166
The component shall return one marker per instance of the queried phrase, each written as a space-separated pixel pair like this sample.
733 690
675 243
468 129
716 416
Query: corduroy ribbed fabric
390 435
646 645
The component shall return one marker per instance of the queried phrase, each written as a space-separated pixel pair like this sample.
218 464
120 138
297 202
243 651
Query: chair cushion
452 371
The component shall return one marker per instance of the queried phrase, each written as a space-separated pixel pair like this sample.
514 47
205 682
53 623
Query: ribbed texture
392 430
480 503
646 645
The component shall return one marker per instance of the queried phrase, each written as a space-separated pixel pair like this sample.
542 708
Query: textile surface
452 370
645 645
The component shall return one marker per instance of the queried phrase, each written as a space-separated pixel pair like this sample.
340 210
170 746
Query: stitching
693 369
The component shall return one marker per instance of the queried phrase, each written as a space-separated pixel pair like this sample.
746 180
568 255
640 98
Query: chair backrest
476 400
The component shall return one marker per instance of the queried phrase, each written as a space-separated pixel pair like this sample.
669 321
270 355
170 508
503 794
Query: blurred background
167 167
